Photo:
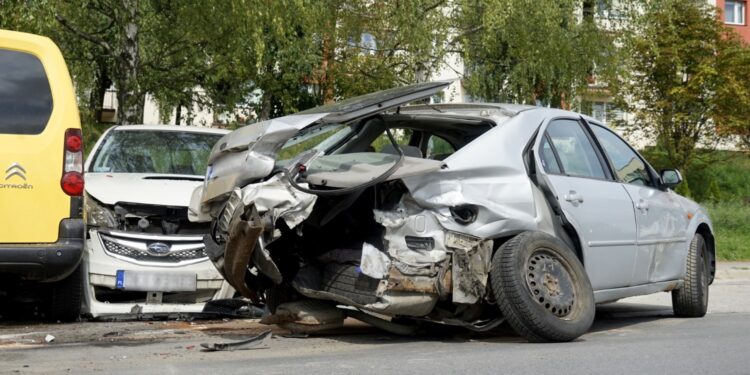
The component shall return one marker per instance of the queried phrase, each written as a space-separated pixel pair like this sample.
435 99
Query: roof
182 128
470 108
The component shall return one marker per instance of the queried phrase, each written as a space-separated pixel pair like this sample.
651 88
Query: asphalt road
637 335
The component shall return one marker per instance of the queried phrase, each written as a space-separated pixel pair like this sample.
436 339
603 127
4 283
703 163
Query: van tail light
72 178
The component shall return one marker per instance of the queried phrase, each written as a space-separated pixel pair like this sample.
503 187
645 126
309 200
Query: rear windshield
25 96
154 151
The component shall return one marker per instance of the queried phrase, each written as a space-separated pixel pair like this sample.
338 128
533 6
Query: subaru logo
15 169
158 249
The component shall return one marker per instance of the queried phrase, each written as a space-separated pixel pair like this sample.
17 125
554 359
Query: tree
314 52
542 53
685 78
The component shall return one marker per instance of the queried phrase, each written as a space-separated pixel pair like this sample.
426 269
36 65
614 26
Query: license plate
144 281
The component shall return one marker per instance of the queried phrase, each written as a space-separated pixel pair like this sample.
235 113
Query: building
734 14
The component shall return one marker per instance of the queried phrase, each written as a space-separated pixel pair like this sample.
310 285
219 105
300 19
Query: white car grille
150 249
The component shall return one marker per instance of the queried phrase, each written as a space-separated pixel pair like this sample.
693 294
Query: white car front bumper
148 282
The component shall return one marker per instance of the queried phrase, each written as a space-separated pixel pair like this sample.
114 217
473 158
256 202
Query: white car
143 256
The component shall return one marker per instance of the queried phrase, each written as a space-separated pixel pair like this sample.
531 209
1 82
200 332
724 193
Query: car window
549 162
576 153
402 136
438 148
25 96
320 138
160 152
628 166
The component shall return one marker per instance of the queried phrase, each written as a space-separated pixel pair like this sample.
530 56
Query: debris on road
237 345
306 316
49 338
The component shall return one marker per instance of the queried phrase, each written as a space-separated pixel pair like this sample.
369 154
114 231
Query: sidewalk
732 271
728 293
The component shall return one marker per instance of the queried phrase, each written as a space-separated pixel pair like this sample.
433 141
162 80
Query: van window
25 96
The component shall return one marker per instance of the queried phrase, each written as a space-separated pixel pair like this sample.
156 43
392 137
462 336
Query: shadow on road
609 317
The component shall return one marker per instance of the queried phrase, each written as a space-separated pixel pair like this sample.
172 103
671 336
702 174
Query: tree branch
83 35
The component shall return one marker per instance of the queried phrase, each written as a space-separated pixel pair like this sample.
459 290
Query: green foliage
713 193
714 175
518 52
731 222
314 52
685 77
273 57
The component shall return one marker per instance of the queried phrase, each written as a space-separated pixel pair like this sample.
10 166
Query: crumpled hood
143 188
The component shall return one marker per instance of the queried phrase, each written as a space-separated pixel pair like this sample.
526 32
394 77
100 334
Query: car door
661 221
597 206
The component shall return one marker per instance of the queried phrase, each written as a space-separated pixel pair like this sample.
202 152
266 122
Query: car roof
182 128
488 109
476 109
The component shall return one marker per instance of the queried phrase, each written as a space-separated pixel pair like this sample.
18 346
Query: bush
732 229
713 176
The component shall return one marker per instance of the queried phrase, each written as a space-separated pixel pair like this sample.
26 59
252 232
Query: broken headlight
98 215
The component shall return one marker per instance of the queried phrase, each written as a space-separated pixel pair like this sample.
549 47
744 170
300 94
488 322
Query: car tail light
72 178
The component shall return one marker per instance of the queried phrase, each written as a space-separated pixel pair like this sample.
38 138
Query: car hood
142 188
248 154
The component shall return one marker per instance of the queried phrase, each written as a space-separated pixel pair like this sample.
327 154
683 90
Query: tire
691 300
345 280
542 289
66 297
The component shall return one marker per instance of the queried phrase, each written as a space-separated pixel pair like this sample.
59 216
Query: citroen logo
158 249
15 169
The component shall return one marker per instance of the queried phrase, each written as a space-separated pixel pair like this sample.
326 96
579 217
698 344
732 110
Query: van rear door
37 107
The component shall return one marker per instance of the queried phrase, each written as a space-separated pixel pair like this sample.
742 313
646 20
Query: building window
606 112
734 12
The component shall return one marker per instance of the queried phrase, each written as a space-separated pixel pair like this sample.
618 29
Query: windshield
154 151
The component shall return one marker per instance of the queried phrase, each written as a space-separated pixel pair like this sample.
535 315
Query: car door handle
573 197
642 206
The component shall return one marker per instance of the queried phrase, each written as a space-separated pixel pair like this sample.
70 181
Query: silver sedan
460 214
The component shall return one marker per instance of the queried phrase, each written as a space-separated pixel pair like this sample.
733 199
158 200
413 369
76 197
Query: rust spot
402 283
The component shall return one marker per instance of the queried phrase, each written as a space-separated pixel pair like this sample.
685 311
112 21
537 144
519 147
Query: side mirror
670 178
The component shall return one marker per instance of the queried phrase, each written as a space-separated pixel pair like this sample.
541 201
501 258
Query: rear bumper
46 262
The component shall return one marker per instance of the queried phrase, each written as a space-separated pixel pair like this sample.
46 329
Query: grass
732 226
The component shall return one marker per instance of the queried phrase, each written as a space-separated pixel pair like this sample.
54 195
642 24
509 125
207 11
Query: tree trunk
131 99
265 107
327 70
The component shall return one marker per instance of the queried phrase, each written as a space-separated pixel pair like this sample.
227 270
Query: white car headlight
99 216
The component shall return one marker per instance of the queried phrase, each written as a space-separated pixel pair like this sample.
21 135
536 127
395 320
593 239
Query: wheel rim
550 283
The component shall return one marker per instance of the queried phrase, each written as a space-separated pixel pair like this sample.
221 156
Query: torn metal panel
374 263
242 241
471 266
502 201
275 197
248 153
410 220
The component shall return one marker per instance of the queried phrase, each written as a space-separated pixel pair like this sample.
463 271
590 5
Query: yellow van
41 172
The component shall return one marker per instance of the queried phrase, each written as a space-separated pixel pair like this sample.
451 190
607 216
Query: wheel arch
705 231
